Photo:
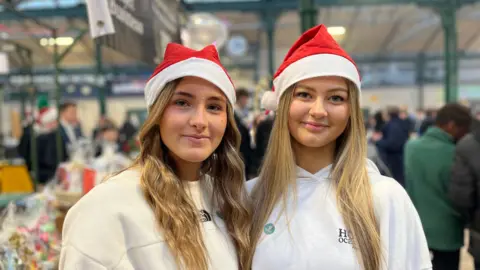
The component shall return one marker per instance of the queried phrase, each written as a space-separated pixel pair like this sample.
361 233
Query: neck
313 159
187 171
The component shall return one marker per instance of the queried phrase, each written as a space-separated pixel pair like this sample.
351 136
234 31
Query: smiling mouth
314 125
196 137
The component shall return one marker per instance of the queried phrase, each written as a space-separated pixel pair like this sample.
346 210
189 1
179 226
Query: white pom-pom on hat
269 101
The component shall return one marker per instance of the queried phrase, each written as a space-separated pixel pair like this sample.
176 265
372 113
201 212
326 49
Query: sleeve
409 168
92 235
462 188
71 258
403 239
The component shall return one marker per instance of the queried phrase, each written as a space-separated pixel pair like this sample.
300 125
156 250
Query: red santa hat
47 115
180 61
314 54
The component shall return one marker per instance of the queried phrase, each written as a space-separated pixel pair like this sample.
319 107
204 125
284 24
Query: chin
314 142
195 156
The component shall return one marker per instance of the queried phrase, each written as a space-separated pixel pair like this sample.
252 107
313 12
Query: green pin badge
269 228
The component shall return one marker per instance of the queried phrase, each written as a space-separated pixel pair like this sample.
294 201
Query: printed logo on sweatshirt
344 236
269 228
205 216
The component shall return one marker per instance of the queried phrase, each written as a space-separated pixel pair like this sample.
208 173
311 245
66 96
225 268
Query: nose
318 109
199 118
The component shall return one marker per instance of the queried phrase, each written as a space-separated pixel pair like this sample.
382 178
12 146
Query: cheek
218 125
170 123
339 114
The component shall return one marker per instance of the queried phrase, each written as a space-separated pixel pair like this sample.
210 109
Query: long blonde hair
175 212
349 174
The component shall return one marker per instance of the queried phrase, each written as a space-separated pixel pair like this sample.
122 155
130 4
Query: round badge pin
269 228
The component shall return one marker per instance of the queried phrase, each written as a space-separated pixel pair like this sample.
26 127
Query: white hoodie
113 227
316 237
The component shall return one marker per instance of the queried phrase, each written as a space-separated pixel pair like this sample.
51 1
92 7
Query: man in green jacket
428 162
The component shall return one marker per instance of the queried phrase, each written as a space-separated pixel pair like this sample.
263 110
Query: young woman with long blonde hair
182 204
318 202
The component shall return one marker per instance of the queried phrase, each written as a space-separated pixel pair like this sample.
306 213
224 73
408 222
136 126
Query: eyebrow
336 88
189 95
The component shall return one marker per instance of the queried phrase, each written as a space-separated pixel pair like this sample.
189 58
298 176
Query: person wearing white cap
183 203
318 202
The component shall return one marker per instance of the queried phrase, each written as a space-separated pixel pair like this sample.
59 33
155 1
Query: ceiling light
60 41
336 30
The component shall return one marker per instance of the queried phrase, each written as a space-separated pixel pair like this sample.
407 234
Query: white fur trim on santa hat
269 101
49 116
197 67
317 65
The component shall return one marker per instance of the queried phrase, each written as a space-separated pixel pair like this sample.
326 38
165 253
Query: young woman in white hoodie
182 204
318 202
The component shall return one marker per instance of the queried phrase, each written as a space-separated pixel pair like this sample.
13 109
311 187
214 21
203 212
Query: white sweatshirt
316 237
113 227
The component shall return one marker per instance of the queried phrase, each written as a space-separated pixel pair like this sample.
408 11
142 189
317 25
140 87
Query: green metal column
420 79
58 93
270 20
33 136
449 24
33 139
23 107
308 14
100 77
258 50
2 149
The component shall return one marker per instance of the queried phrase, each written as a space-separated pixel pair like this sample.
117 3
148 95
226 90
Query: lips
315 124
196 140
315 127
197 136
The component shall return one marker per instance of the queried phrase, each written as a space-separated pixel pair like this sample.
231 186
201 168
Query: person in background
428 168
182 204
429 121
108 135
390 144
102 122
409 120
69 124
464 188
241 118
419 117
262 136
318 202
241 107
47 146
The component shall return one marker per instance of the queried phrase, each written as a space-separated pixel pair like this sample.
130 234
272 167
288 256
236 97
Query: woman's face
319 112
194 121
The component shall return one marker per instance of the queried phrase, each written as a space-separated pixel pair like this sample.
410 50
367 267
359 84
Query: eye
336 99
304 95
181 103
215 107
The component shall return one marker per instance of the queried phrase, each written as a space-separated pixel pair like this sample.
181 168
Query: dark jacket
262 136
465 184
390 147
245 146
23 148
47 156
428 164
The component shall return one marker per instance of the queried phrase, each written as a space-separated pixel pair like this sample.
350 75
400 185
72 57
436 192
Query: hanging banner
142 28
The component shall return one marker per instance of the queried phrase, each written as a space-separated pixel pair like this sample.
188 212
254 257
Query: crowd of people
45 126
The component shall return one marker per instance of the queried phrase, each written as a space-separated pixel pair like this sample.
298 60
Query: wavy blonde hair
175 212
349 175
